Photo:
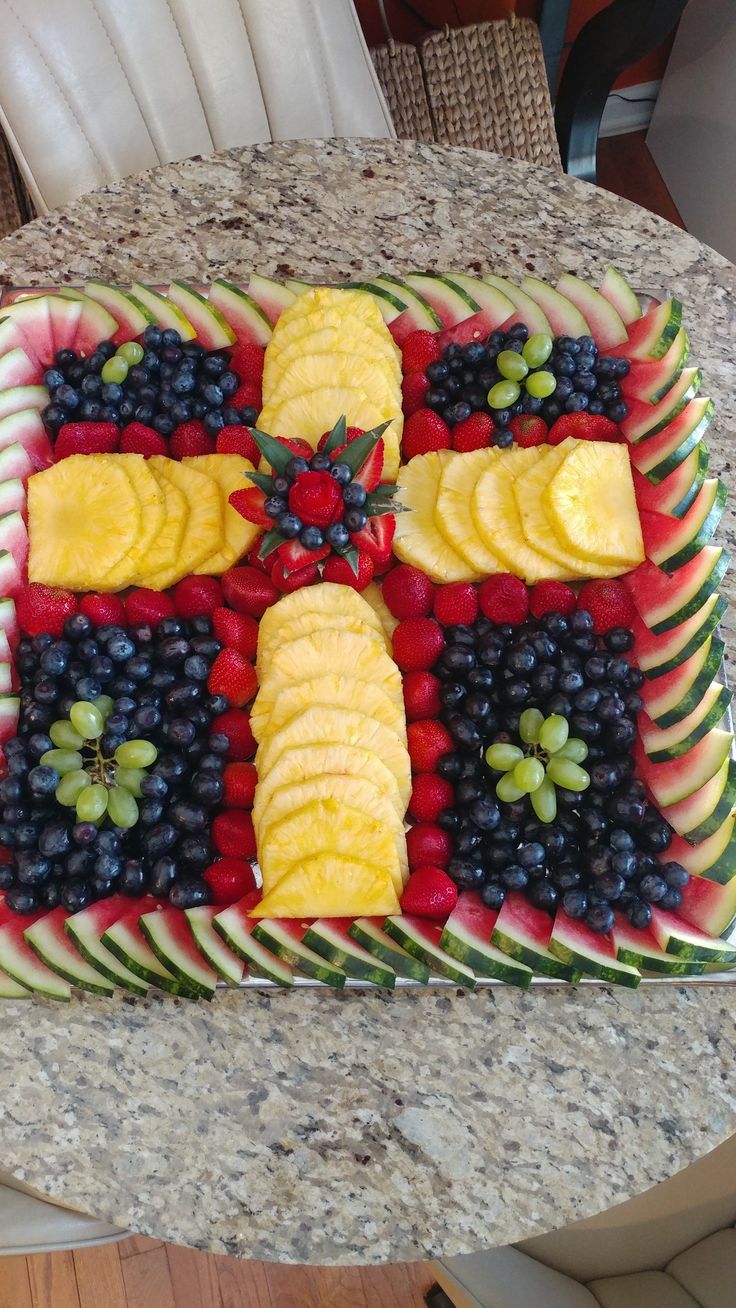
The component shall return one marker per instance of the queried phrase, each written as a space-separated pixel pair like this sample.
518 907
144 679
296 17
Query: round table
365 1127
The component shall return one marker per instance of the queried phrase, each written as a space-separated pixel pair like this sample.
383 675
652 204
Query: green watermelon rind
695 637
351 960
435 958
600 966
678 943
691 695
228 924
669 407
721 810
155 929
710 719
541 962
664 322
297 954
484 959
703 535
160 978
402 962
685 775
709 582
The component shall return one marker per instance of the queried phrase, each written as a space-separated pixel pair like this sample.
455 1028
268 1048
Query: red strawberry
149 606
261 565
425 431
296 445
408 592
139 439
427 741
240 780
87 438
288 580
294 556
235 631
235 724
248 396
246 360
237 440
429 892
551 597
40 608
419 349
584 427
475 433
608 603
504 598
197 597
418 643
369 474
340 571
429 795
456 603
315 498
421 695
414 387
250 900
376 538
104 610
249 503
229 879
528 430
428 843
350 434
233 834
189 440
248 591
234 677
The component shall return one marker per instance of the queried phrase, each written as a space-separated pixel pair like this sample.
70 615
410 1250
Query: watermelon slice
526 309
213 330
130 314
285 938
417 307
660 455
26 429
467 937
578 947
212 946
32 319
676 493
709 905
702 813
13 497
12 338
658 655
676 936
665 601
494 302
247 320
389 304
56 949
713 858
617 291
170 936
11 579
651 335
673 697
451 302
64 315
165 312
127 942
236 929
678 778
564 316
645 421
669 541
9 713
21 963
17 369
330 938
476 328
270 296
649 380
86 929
369 933
524 932
640 949
9 624
17 398
14 537
420 937
15 464
95 324
607 327
664 743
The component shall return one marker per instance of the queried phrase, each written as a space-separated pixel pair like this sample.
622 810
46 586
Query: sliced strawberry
369 474
294 556
249 504
584 427
376 537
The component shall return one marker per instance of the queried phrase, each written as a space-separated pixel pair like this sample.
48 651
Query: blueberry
207 787
22 900
354 495
54 840
159 839
195 851
311 538
675 875
531 855
600 918
466 873
296 466
32 868
355 519
43 781
542 894
189 893
653 888
493 895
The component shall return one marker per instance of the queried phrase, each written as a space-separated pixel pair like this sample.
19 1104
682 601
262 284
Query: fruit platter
359 635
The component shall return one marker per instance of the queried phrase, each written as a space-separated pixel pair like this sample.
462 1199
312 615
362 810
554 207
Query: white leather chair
93 90
31 1224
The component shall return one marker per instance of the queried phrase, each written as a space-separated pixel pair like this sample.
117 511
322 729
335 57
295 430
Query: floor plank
292 1287
194 1278
15 1287
242 1284
99 1277
136 1244
399 1285
148 1280
52 1280
339 1287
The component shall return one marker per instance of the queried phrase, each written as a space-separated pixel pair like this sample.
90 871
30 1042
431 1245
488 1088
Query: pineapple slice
305 625
153 510
83 518
321 824
326 597
374 596
364 342
496 517
307 657
452 510
594 475
323 726
334 690
417 539
322 301
204 533
328 885
310 372
537 526
228 472
312 413
308 761
163 553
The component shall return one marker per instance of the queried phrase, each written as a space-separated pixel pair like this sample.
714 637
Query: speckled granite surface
313 1127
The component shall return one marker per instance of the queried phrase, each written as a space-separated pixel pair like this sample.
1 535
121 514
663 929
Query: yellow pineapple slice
326 824
417 539
308 761
151 499
327 885
326 597
496 516
162 558
332 689
229 473
536 523
310 372
592 505
374 596
365 342
310 414
305 625
318 725
204 530
322 301
452 510
309 656
83 518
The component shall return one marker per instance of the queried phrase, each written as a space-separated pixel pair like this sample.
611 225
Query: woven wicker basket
16 206
399 71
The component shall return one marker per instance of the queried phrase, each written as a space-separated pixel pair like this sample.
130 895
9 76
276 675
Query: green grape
566 773
574 749
121 807
553 733
503 757
529 775
136 754
131 351
130 779
537 349
87 719
512 366
70 787
114 369
544 801
529 724
503 394
92 803
62 760
105 704
507 789
540 384
63 734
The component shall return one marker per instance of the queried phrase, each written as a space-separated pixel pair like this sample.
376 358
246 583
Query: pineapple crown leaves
354 455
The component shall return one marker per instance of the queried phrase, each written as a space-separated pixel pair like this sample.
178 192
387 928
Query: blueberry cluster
148 683
599 852
312 537
170 383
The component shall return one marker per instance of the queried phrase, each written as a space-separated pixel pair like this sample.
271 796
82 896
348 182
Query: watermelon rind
713 858
494 302
617 291
526 309
576 945
607 327
126 941
676 936
84 929
211 945
375 940
164 931
680 539
676 598
276 937
272 297
422 313
669 700
413 936
663 744
651 335
703 812
564 316
237 930
662 654
345 952
387 302
645 421
672 781
246 318
23 965
640 950
657 458
482 957
57 950
451 303
515 934
165 312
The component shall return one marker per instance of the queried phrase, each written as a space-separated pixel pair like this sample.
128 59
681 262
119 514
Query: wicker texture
16 207
399 71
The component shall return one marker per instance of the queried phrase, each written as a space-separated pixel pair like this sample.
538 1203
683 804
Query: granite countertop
362 1127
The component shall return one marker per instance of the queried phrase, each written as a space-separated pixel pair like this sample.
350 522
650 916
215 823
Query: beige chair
93 90
32 1224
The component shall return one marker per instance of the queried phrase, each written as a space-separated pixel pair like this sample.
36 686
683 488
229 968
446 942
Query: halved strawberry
249 504
584 427
293 555
376 537
369 474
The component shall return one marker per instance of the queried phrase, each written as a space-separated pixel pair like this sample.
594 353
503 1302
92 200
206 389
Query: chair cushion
32 1225
505 1278
708 1270
642 1290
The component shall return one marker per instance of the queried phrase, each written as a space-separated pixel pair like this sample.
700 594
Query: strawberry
429 795
294 556
340 571
239 780
104 610
421 695
197 597
235 631
229 879
427 742
475 433
246 360
414 387
350 434
425 431
428 843
86 438
408 592
608 603
233 834
429 892
139 439
41 608
248 396
315 498
261 565
528 430
376 537
237 440
248 591
251 899
456 604
289 580
249 503
418 643
234 677
190 439
584 427
551 597
504 598
149 606
235 724
296 445
369 474
419 349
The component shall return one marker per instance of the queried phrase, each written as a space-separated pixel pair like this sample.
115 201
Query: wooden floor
626 167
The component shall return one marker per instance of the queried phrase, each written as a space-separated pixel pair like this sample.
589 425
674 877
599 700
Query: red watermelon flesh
476 328
708 905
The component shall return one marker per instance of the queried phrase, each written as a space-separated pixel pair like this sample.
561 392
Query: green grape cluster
550 757
116 368
524 369
89 782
